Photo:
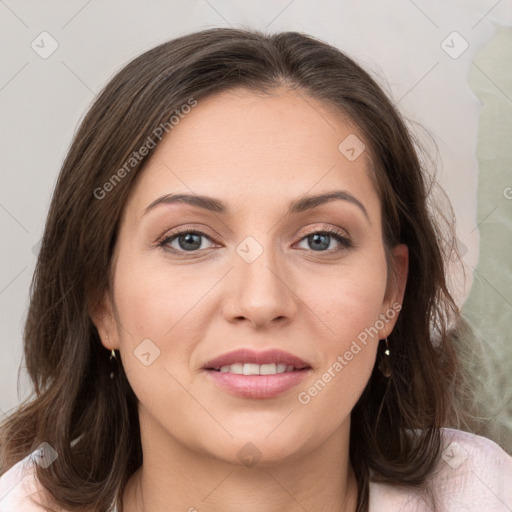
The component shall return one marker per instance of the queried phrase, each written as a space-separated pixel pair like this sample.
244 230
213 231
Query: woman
240 300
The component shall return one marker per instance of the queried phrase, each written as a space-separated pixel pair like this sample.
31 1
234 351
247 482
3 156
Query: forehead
249 147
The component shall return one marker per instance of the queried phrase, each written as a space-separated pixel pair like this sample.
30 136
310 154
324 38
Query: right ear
101 314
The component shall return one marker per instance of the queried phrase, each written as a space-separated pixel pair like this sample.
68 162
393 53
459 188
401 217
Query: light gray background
463 102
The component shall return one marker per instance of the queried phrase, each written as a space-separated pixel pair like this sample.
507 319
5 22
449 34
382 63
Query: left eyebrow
216 205
314 201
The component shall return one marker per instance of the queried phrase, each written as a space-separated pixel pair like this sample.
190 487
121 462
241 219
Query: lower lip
257 386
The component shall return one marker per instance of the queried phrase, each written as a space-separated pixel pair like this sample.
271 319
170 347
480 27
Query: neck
176 478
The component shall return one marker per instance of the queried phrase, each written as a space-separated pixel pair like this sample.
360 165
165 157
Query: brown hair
91 420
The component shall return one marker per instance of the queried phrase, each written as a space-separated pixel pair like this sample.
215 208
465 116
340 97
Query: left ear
396 288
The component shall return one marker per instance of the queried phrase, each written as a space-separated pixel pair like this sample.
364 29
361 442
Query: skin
256 153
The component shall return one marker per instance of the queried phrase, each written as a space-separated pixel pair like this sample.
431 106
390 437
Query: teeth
256 369
251 369
236 368
268 369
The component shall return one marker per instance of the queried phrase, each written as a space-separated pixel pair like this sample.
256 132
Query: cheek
160 303
153 298
348 305
348 300
348 350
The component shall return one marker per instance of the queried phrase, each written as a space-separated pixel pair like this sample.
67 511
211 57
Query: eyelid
182 230
326 228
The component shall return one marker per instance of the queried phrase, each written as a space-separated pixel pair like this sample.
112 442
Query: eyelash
337 234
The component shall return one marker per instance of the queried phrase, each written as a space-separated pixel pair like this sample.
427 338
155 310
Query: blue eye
191 240
188 241
320 240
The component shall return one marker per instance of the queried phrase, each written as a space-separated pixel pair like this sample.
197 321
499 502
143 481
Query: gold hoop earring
385 365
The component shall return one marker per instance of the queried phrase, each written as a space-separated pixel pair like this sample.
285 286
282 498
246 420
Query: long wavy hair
92 420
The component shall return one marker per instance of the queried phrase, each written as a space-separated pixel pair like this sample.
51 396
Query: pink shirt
473 475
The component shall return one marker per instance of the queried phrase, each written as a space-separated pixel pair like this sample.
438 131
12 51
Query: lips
250 374
249 358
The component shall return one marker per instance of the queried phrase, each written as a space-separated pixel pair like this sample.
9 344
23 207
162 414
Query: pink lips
257 386
245 355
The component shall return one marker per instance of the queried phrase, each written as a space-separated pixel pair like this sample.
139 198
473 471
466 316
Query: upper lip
246 355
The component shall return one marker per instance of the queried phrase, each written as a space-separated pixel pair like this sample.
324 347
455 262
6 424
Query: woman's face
256 279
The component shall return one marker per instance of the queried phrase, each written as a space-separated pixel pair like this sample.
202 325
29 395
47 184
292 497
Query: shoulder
473 474
19 488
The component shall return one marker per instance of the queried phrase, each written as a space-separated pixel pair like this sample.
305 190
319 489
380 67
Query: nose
259 292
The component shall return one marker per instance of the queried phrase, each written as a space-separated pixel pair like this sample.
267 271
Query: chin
263 450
